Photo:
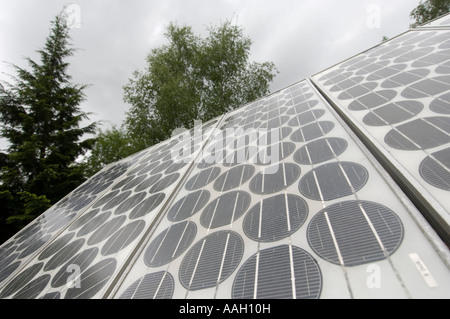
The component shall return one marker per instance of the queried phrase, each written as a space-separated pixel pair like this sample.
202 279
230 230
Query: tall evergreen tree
41 119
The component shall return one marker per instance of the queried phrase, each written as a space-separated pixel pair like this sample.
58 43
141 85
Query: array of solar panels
278 199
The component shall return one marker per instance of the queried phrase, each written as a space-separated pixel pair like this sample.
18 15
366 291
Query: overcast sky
302 37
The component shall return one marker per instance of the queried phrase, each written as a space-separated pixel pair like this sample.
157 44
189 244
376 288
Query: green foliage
429 10
192 78
33 205
41 120
110 146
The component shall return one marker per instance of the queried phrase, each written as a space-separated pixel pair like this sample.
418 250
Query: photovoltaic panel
404 115
310 209
281 198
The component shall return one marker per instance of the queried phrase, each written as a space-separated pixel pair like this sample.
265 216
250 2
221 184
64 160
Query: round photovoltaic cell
441 104
312 131
158 285
372 100
274 153
188 206
320 151
424 133
283 272
275 218
355 233
306 117
123 237
211 260
334 180
21 280
203 178
170 244
92 280
106 230
225 209
147 206
435 169
393 113
233 178
80 262
275 178
64 254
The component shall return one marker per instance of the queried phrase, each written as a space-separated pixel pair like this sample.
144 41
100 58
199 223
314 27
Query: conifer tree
41 119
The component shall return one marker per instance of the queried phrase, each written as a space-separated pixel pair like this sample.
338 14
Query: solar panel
403 111
285 197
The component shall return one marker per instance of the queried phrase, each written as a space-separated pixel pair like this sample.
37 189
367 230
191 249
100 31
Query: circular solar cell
372 100
32 289
320 151
424 133
164 183
225 209
358 90
175 167
275 218
275 123
135 181
240 156
64 254
273 136
334 180
203 178
93 224
275 153
355 233
8 267
233 178
347 83
405 78
149 181
92 280
393 113
56 246
116 200
441 104
386 72
123 237
147 206
312 131
106 230
81 262
427 87
435 169
123 182
275 178
443 68
306 117
33 245
106 198
129 203
19 281
283 272
211 260
188 206
159 285
170 244
302 107
87 217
